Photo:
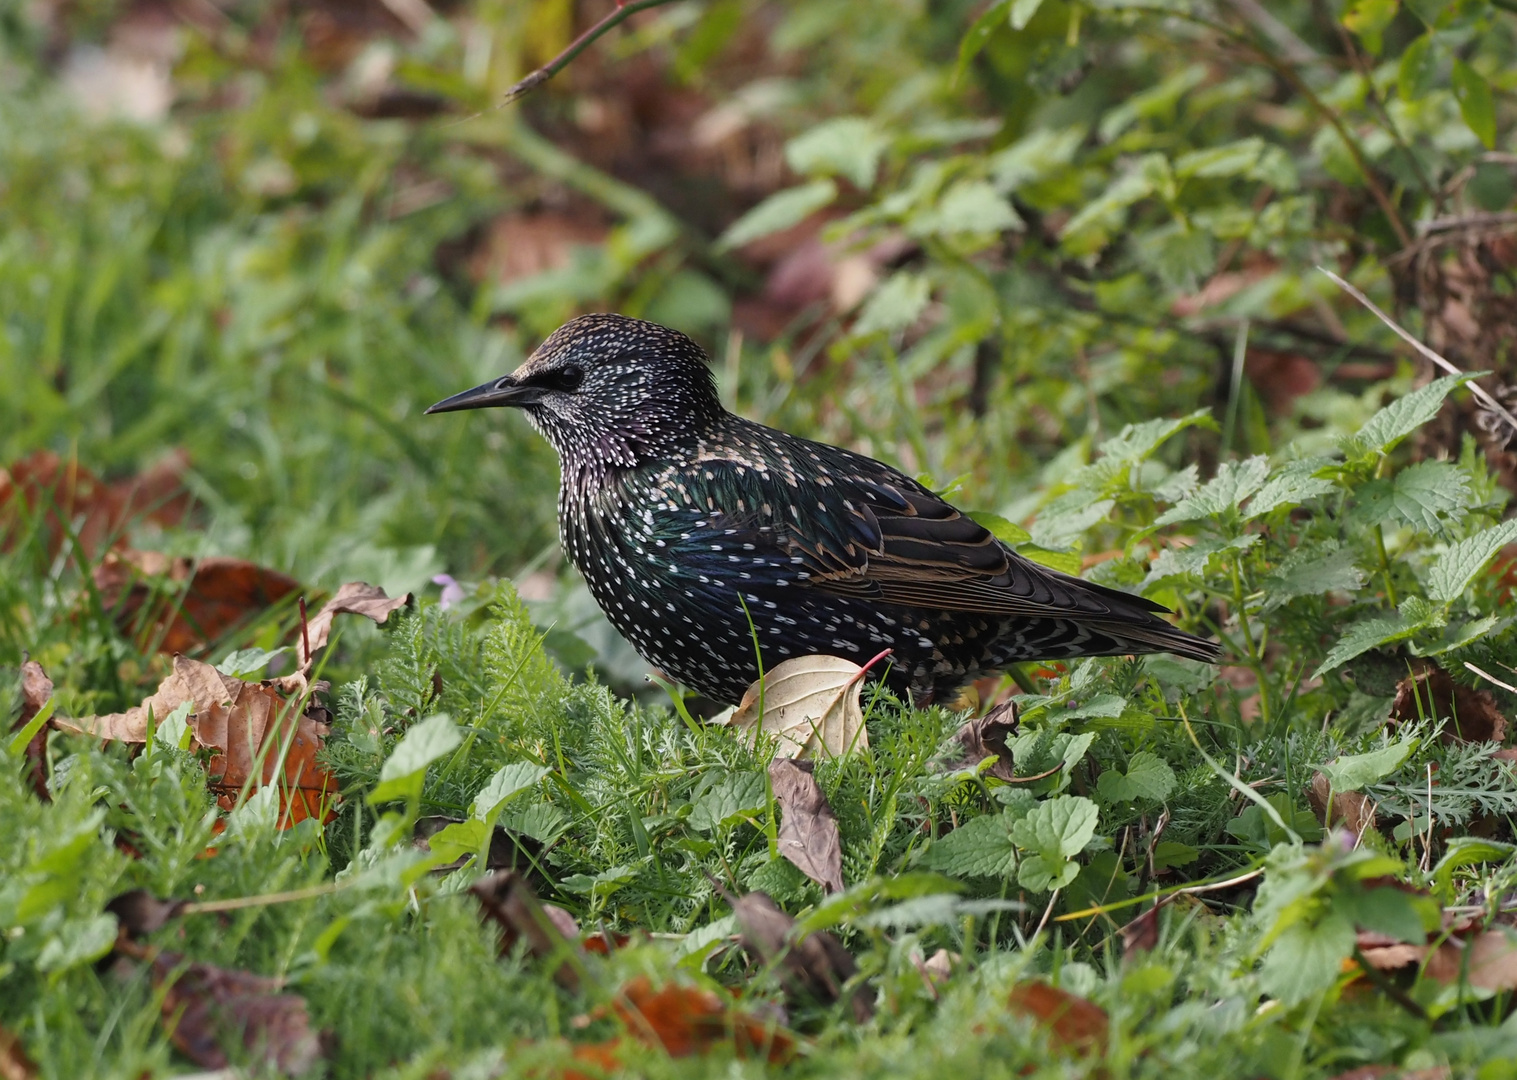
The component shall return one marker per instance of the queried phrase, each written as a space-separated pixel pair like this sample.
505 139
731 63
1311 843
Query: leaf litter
811 703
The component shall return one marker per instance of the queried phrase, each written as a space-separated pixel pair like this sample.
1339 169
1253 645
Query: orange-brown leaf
1074 1025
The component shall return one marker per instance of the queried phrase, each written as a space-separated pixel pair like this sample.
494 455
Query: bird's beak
491 395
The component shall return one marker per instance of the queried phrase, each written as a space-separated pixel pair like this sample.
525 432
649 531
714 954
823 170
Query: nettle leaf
1312 573
1402 417
1091 228
1350 772
779 211
1034 156
1459 565
1137 442
848 146
1307 958
1415 614
1054 831
1234 482
734 798
968 206
1429 496
1476 103
1008 532
1194 559
895 305
1061 523
1292 485
981 847
1147 777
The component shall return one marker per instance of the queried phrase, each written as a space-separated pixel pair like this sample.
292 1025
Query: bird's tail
1159 636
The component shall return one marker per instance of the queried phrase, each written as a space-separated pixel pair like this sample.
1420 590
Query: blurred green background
969 240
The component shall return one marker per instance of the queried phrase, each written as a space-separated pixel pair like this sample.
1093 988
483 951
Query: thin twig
1479 391
237 903
1486 675
624 9
1052 900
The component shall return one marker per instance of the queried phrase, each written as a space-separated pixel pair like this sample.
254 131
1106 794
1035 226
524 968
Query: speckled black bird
688 521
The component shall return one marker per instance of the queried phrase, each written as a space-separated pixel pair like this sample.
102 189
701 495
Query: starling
704 536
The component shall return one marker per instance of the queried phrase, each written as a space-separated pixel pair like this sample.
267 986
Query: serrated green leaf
1476 103
1313 573
1364 636
981 847
846 146
1193 560
1461 634
1234 482
732 799
895 304
1350 772
1008 532
968 206
1147 777
1037 154
1229 159
779 211
1428 496
1058 828
1403 416
1459 565
1290 486
1092 226
1066 562
401 775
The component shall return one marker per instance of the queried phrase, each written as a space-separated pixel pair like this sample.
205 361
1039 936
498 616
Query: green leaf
968 206
981 847
1387 910
1147 777
895 304
1136 443
1066 562
402 773
778 212
1314 572
1306 959
1229 159
1417 69
458 839
1364 636
1008 532
1022 12
1193 560
1168 853
249 663
979 34
847 146
1459 565
76 942
1040 874
1292 485
1036 155
734 798
1403 416
1476 103
1057 829
1092 225
1350 772
1429 496
1368 19
1234 482
1466 851
508 781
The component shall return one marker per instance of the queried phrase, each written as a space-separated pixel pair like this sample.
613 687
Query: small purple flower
452 591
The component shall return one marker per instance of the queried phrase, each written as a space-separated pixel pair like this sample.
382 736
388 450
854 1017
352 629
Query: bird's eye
567 378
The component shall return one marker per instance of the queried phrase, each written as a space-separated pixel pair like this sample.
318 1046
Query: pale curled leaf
809 702
808 829
353 598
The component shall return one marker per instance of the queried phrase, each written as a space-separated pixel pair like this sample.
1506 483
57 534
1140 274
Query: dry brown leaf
353 598
808 834
550 932
72 494
245 722
688 1020
14 1064
815 966
140 913
1141 934
1351 809
1074 1025
810 702
209 1010
1488 961
36 689
987 737
180 604
1472 715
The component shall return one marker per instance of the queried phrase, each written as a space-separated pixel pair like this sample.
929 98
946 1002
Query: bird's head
607 390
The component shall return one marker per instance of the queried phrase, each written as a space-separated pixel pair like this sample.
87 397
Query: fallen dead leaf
689 1020
139 912
987 737
180 604
809 702
1487 961
76 502
550 932
14 1064
815 966
1351 809
36 689
1472 714
808 834
208 1010
1141 934
353 598
1074 1025
258 732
